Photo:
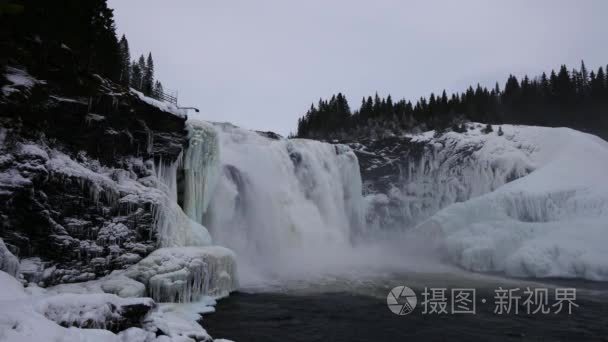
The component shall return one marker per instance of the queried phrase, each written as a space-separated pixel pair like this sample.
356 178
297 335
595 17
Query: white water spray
285 205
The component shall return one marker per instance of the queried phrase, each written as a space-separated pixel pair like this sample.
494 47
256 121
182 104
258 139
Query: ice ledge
186 274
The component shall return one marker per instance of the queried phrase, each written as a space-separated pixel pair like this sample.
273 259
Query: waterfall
279 202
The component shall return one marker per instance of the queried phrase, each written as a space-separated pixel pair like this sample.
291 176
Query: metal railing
172 98
162 96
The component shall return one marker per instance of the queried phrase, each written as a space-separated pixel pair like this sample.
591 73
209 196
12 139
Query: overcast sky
260 64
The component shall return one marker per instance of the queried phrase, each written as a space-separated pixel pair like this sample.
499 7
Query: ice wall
550 223
199 163
279 202
173 226
185 274
201 168
436 171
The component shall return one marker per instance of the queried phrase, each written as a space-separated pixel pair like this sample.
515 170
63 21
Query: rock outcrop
78 173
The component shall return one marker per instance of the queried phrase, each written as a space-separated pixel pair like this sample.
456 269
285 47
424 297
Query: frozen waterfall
187 266
201 168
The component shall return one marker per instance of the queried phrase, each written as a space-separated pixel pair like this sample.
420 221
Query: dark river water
341 310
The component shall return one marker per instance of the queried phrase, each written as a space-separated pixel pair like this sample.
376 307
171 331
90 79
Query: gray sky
260 64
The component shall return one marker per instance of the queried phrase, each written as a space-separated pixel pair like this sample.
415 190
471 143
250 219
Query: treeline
573 98
138 74
65 40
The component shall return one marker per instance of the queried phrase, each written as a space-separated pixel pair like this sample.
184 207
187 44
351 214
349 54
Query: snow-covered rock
185 274
552 221
20 82
79 313
45 316
94 311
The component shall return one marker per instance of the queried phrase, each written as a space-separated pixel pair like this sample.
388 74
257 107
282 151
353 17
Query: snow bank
552 222
186 274
57 314
11 288
92 311
24 317
164 106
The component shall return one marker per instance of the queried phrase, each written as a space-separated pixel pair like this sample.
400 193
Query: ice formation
8 262
549 223
201 168
174 227
186 274
187 267
450 168
200 165
280 201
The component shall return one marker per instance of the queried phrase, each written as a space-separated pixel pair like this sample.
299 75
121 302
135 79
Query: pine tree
158 90
136 76
584 76
141 63
125 58
148 76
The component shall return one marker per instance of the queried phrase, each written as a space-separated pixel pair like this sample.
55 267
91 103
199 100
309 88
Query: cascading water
284 204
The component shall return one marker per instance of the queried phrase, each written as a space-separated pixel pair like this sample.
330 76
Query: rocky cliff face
78 175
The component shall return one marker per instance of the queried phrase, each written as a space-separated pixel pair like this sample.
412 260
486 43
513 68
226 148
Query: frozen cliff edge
552 222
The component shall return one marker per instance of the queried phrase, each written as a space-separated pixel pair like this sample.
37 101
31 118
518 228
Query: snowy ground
91 311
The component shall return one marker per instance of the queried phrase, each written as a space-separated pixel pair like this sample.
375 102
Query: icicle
186 274
201 167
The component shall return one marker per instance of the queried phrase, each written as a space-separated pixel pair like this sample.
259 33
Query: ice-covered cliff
102 193
529 201
552 222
